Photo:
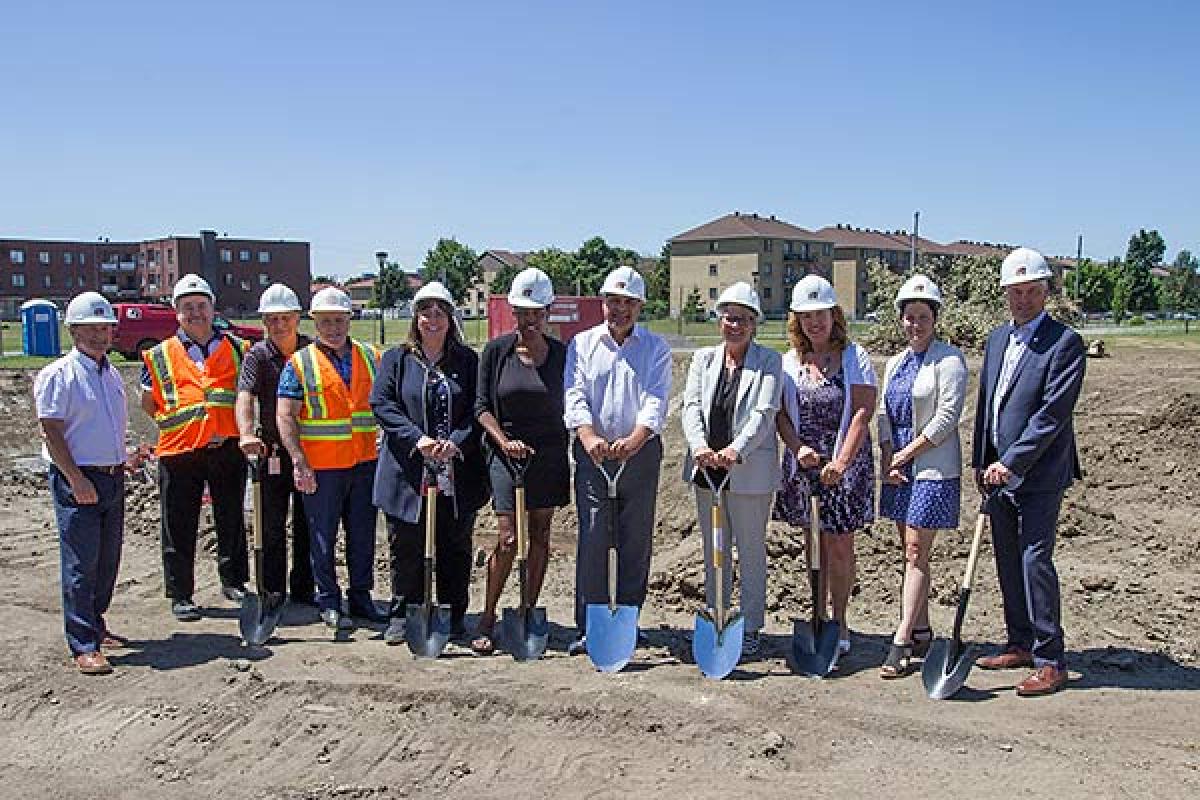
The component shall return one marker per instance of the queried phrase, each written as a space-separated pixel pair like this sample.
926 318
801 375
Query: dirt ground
191 713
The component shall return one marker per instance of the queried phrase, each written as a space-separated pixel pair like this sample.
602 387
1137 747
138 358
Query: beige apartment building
768 253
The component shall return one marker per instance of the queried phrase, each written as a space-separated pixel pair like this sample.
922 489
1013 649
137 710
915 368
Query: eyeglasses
736 319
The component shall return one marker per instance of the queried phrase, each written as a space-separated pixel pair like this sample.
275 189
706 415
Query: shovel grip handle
431 493
612 578
973 558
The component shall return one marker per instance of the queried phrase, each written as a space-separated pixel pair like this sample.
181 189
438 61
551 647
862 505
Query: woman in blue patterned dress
828 398
921 457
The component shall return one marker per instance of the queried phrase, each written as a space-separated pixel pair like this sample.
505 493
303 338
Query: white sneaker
843 646
578 647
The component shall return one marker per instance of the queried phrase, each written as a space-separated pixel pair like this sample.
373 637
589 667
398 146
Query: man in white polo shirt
80 402
616 383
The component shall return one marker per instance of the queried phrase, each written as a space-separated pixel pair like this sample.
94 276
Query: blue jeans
343 495
90 545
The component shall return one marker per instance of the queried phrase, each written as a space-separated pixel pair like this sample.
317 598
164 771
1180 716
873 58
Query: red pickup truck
140 326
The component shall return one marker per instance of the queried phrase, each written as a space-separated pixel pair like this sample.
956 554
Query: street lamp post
381 257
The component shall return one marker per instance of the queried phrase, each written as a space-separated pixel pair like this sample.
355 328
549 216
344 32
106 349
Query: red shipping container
567 317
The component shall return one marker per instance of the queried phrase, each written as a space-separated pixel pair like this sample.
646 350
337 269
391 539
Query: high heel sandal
898 662
922 639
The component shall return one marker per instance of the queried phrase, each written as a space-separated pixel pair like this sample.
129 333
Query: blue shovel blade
717 652
427 629
611 635
817 659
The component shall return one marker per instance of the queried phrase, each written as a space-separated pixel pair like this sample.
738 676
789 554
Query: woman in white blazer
729 407
921 456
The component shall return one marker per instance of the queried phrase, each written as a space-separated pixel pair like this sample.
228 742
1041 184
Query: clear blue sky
384 125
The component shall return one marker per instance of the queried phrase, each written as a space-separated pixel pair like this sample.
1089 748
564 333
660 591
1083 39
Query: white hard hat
742 294
90 308
625 281
278 299
331 298
1023 265
192 284
531 288
919 287
813 293
434 290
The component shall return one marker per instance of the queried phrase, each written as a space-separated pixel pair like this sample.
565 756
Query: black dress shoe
370 613
234 594
185 610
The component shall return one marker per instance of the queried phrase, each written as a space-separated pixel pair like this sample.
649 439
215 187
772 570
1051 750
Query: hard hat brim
622 293
1018 279
757 312
816 305
527 302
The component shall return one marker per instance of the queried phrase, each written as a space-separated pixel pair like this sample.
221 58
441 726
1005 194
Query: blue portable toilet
39 328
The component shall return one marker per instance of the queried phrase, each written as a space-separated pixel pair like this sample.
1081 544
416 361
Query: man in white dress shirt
80 403
617 379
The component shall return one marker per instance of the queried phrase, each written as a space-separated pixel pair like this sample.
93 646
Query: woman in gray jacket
921 456
729 406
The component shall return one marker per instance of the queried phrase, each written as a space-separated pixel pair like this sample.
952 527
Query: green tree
658 285
691 306
453 263
1180 290
1096 285
390 287
1122 293
502 280
1146 250
563 268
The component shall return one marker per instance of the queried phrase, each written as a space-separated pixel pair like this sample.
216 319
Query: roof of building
361 283
850 236
509 257
740 226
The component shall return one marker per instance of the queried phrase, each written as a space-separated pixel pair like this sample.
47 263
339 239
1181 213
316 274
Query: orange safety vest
337 426
195 404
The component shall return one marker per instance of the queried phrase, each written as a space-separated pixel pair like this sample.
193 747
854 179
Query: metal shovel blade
717 652
815 653
427 629
525 632
258 617
945 670
611 635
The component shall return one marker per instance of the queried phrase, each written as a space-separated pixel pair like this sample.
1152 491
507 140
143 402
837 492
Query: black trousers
452 559
181 480
278 494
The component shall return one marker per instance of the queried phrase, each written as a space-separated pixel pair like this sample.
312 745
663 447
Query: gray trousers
745 526
637 492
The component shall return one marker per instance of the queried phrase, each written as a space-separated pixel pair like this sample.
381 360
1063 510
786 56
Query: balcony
129 293
127 266
108 288
108 266
804 258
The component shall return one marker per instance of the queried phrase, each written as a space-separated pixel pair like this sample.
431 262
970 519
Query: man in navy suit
1024 451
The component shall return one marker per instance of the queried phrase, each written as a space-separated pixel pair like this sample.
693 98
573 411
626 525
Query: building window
243 255
16 256
170 256
714 247
767 244
245 286
788 247
82 281
67 258
226 256
712 293
264 279
712 270
766 268
767 292
46 281
228 279
264 257
83 258
43 257
18 281
827 249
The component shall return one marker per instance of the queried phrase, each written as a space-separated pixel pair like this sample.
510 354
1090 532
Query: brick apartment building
238 269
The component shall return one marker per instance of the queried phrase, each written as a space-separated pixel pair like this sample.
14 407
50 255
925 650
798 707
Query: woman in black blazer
424 400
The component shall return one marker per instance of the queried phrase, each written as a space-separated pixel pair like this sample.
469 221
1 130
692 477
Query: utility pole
1078 266
912 241
381 259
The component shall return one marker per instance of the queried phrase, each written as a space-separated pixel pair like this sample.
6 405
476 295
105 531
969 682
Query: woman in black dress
519 404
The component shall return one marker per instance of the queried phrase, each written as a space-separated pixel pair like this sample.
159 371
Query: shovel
260 611
717 639
815 643
525 628
611 629
948 663
427 626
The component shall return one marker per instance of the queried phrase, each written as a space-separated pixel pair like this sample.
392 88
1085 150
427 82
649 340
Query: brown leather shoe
93 663
1011 658
1046 680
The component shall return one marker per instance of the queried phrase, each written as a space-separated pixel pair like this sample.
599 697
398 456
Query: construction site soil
192 713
